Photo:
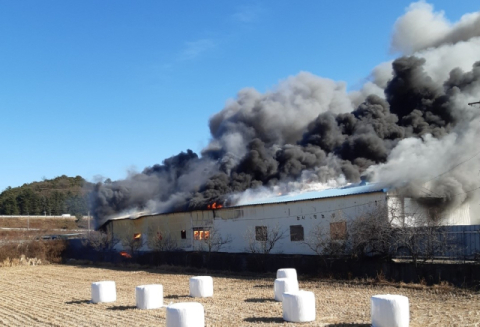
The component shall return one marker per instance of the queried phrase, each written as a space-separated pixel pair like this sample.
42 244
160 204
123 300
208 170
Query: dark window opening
183 234
296 233
261 233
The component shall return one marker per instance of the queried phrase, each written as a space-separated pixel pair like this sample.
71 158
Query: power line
429 191
461 163
467 191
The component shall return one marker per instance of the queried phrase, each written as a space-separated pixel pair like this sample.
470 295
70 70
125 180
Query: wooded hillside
61 195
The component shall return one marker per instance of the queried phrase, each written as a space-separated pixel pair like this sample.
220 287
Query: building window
338 231
183 234
200 233
296 233
261 233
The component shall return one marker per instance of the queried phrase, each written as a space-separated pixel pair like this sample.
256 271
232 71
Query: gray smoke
407 128
422 28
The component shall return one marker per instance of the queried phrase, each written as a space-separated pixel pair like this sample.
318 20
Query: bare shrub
320 241
386 232
43 251
54 250
8 251
100 241
373 234
132 241
425 238
212 240
35 249
161 240
263 239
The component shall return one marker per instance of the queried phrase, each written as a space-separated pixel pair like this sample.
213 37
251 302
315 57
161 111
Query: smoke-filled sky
266 96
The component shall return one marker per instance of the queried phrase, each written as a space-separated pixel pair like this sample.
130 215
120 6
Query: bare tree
424 238
212 240
159 240
131 240
263 239
320 241
100 241
373 234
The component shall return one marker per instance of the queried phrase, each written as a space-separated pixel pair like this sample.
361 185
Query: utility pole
472 103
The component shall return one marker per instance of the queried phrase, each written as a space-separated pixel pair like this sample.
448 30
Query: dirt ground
59 295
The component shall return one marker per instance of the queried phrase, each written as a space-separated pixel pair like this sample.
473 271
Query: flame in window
137 236
201 234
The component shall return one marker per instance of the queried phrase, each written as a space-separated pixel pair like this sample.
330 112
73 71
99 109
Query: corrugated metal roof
329 193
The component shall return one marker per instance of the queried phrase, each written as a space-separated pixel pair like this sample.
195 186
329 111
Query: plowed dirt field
59 295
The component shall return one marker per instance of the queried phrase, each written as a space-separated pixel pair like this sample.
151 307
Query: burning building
294 217
409 128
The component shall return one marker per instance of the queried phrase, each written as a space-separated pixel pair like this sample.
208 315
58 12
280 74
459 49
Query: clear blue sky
100 87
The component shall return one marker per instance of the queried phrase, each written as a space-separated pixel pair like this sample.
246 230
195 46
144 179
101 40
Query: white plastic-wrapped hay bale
298 306
149 296
201 286
283 285
104 291
287 273
187 314
390 311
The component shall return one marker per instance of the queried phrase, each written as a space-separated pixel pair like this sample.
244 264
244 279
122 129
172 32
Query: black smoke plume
270 140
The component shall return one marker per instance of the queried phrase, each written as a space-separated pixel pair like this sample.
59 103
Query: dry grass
58 295
32 252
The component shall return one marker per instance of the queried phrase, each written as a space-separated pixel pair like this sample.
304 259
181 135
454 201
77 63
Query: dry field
39 223
58 295
22 229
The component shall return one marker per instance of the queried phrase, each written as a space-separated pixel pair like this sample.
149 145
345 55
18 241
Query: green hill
61 195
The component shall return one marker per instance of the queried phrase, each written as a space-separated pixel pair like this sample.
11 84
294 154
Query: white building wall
237 222
459 216
405 211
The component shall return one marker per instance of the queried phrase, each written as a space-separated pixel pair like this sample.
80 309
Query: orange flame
125 254
137 236
215 205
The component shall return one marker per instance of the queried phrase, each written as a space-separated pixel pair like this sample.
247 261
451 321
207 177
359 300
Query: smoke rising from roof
405 128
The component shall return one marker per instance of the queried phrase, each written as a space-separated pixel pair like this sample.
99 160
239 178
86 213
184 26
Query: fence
457 273
465 241
460 243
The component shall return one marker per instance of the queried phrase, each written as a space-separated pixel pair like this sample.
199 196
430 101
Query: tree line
57 196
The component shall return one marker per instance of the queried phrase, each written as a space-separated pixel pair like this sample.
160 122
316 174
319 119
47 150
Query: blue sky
98 88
